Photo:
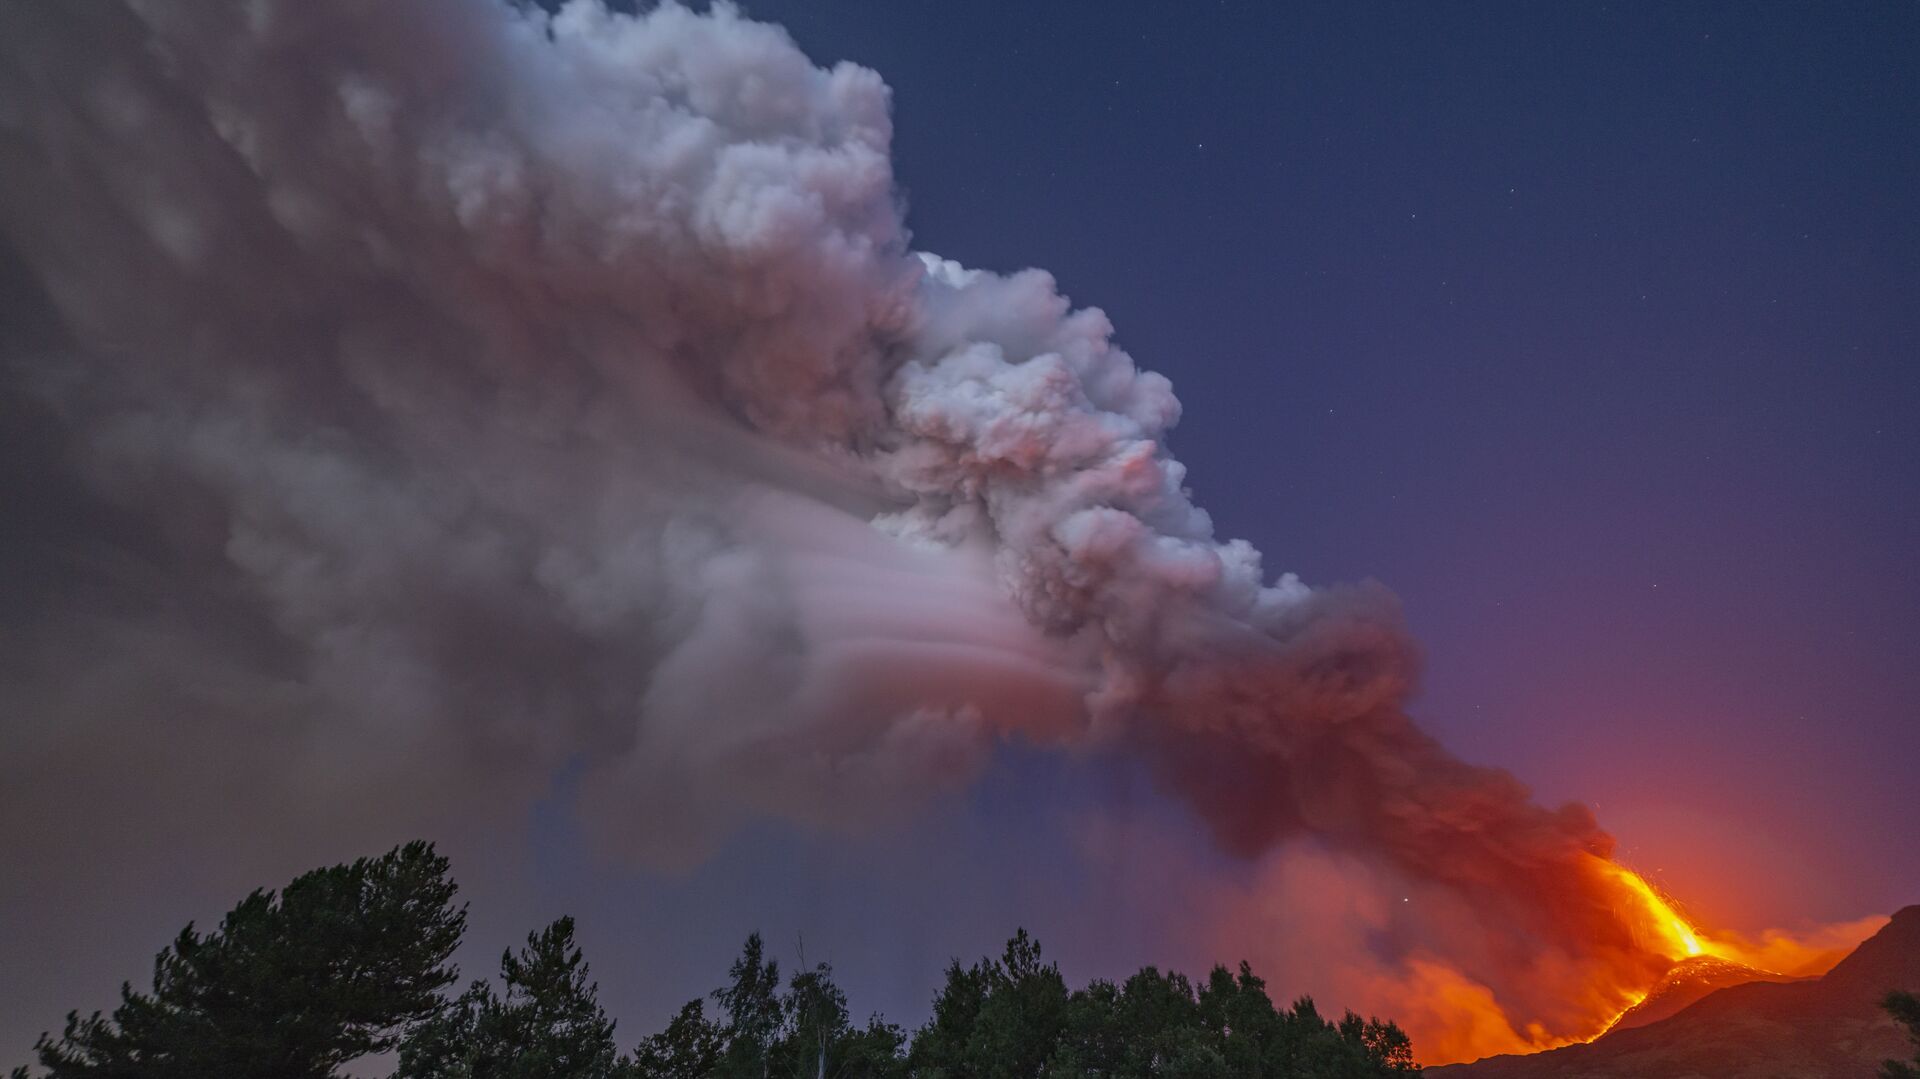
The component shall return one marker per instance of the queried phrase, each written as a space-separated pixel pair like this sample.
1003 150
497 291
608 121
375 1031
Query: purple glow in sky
1589 332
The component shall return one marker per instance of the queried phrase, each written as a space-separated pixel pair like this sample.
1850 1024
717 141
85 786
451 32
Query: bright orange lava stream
1463 1020
1673 936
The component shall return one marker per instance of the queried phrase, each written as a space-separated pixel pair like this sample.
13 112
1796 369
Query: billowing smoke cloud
513 386
433 394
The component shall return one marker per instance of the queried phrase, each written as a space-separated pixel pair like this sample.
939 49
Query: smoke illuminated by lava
491 391
1668 932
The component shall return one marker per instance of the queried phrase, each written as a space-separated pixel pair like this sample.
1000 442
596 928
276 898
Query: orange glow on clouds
1776 952
1320 916
1453 1018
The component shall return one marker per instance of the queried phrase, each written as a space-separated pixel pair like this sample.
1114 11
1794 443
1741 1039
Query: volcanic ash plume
420 396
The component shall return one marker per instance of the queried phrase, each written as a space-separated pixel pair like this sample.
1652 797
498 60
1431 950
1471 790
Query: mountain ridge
1688 981
1830 1026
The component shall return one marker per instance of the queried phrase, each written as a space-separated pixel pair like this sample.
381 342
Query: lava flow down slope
1831 1026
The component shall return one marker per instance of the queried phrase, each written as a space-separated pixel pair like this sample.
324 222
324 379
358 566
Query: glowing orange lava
1658 927
1577 994
1664 930
1468 1021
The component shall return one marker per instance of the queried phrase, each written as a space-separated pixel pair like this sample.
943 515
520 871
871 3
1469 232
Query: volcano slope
1831 1026
1688 981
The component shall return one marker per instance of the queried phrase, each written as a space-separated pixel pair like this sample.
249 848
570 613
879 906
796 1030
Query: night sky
1589 330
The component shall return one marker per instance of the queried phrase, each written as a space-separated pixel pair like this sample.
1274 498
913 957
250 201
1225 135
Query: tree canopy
339 964
354 959
548 1023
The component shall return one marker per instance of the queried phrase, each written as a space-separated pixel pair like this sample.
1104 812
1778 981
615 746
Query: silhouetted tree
1905 1009
817 1024
548 1025
819 1040
1155 1026
754 1013
1148 1026
1379 1044
337 965
939 1049
691 1047
1237 1011
1313 1048
1025 1010
877 1051
995 1020
1092 1043
352 960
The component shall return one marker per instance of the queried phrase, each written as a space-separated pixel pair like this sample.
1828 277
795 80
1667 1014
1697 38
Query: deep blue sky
1590 329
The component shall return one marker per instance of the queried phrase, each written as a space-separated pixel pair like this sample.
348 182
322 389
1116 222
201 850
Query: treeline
355 960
